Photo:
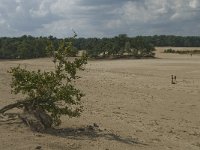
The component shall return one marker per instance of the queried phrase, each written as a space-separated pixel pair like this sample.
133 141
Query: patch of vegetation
182 51
169 50
49 94
119 47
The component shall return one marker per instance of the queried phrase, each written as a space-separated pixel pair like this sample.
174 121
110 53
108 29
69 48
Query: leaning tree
49 94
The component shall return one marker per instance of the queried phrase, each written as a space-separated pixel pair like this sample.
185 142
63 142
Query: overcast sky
99 18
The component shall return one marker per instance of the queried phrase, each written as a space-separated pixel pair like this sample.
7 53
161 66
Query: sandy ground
132 101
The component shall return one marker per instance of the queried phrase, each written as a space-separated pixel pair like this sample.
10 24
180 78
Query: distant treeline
119 46
174 41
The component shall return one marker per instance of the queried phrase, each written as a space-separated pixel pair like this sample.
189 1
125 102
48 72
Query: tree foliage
51 91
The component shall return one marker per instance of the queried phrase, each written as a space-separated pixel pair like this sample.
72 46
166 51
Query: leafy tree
127 47
142 48
115 46
50 92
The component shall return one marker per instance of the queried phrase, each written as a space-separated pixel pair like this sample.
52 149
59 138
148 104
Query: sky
99 18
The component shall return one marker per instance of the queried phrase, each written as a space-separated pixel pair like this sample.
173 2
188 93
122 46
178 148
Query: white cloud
98 17
194 4
41 11
63 7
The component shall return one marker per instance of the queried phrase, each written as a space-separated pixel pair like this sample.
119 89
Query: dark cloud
102 2
99 17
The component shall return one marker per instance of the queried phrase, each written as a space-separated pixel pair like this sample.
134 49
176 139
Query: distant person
174 79
191 54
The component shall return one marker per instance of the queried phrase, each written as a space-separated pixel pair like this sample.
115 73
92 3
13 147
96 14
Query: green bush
51 91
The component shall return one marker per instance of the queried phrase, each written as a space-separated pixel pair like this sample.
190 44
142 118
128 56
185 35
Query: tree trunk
36 118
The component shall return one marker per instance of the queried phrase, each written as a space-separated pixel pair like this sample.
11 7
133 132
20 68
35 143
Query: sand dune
133 103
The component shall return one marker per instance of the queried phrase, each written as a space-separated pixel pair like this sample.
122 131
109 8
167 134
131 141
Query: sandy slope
132 101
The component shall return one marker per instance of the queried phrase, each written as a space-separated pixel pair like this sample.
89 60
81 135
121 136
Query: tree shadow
92 133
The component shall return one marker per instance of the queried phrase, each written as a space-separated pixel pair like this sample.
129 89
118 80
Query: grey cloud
103 2
99 17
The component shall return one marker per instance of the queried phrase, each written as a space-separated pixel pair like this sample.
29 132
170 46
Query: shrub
53 92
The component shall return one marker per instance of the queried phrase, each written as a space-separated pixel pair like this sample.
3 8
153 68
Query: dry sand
132 101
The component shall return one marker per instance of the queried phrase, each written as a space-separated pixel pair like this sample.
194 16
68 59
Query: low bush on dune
182 51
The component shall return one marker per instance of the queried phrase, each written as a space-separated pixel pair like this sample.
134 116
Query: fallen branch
11 106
